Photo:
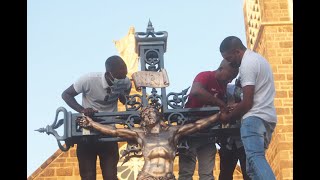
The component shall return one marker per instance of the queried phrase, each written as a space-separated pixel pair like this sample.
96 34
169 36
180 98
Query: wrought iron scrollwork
154 99
178 102
130 122
51 129
150 32
133 150
176 117
152 60
133 102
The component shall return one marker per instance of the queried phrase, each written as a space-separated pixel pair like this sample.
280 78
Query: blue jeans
256 135
203 149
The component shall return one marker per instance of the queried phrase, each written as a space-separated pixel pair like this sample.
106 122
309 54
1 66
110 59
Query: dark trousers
87 156
201 149
228 162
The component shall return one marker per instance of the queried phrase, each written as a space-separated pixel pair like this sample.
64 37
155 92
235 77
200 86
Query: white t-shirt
255 70
94 89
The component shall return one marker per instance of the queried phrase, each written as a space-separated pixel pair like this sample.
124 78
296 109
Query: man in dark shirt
208 89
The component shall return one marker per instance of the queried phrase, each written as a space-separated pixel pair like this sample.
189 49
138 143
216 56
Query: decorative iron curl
130 121
132 150
154 99
132 104
152 34
176 117
51 129
178 102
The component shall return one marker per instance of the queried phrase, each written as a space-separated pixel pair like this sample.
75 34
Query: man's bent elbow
63 95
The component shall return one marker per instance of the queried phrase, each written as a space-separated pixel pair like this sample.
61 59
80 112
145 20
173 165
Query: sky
66 39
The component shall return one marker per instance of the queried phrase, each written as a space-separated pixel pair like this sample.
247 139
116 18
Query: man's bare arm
87 122
197 125
199 92
69 97
242 107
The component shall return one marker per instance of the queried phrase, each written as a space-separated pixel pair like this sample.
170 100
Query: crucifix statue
158 141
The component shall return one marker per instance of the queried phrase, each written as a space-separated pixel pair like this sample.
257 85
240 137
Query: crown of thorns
147 108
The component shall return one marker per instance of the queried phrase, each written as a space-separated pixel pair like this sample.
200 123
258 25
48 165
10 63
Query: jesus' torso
159 151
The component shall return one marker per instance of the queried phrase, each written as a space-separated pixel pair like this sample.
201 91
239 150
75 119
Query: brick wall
274 41
64 166
275 10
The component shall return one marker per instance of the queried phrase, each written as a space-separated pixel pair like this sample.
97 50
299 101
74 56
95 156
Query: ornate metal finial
150 37
42 130
50 129
150 27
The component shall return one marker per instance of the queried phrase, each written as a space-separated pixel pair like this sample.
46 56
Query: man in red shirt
208 89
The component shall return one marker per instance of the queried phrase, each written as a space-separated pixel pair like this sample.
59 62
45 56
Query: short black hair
230 43
115 62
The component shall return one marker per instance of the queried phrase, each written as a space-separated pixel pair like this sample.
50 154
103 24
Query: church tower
269 31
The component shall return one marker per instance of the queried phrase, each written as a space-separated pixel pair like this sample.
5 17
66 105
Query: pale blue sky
69 38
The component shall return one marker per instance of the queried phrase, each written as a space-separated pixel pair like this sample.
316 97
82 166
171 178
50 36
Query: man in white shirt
257 107
100 93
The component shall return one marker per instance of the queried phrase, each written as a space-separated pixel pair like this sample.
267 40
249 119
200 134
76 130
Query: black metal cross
150 47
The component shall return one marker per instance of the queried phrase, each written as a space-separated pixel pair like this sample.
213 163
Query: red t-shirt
210 83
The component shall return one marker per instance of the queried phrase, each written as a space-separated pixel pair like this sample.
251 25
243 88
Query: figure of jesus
158 141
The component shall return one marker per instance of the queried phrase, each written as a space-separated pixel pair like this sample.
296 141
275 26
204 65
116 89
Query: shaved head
226 73
226 65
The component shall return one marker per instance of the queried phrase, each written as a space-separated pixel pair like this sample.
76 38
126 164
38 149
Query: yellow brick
289 77
284 155
271 6
65 154
74 160
68 164
54 165
287 102
281 94
76 171
274 68
285 44
73 152
287 172
285 145
67 171
289 137
284 19
288 129
278 77
277 102
52 178
283 5
288 117
48 172
273 45
60 160
286 60
286 163
284 128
